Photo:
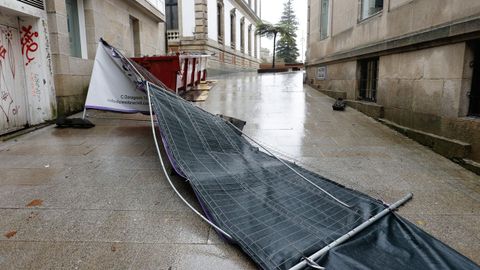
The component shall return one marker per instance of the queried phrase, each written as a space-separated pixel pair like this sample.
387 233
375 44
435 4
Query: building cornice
453 32
149 9
246 8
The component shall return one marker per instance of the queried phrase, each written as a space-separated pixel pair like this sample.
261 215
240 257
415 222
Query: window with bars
368 79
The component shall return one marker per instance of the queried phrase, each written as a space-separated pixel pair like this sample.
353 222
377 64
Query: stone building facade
413 64
223 28
27 92
136 27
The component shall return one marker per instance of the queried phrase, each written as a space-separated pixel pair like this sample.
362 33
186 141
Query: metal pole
84 112
353 232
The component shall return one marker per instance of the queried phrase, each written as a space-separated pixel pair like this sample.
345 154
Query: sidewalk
98 198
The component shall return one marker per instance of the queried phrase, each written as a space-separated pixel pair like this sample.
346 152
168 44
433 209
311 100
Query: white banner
110 89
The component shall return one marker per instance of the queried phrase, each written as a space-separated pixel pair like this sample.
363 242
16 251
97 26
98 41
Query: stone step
449 148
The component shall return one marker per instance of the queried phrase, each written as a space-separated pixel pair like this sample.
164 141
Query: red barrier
180 73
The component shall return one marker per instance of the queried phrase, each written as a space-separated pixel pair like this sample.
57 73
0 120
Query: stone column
201 20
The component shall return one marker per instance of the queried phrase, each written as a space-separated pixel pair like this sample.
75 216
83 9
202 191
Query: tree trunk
274 49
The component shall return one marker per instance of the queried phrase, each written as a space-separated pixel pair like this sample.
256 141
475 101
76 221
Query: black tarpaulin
273 214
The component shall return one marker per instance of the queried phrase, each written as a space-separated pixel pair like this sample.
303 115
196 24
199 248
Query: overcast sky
272 11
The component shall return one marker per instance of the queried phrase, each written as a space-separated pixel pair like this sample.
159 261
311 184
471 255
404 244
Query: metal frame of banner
311 260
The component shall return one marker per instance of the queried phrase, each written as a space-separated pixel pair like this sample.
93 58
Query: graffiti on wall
35 86
28 43
5 95
11 57
12 95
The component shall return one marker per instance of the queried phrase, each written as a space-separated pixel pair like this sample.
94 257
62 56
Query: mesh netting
270 211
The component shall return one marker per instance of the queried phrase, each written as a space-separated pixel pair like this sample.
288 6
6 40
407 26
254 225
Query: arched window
233 28
220 22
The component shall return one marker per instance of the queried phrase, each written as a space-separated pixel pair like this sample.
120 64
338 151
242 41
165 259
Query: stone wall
425 55
425 90
418 88
341 77
109 19
398 18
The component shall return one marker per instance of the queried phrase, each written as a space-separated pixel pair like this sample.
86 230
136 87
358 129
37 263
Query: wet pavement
97 198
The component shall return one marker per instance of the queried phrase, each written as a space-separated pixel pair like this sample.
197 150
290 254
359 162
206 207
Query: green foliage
287 45
265 29
268 30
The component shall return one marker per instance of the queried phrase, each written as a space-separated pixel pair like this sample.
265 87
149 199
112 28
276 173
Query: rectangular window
324 19
474 95
368 79
73 28
255 46
220 22
242 35
171 14
135 31
233 23
249 40
370 7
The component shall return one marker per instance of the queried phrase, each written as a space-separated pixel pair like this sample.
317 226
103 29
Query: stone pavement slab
97 198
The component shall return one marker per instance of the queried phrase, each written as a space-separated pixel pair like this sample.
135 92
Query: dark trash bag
63 122
339 105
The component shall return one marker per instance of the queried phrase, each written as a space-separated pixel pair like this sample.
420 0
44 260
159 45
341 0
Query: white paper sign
321 73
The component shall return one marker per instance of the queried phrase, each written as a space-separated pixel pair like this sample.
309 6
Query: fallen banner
110 89
282 215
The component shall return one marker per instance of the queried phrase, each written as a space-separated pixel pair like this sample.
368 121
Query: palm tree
268 30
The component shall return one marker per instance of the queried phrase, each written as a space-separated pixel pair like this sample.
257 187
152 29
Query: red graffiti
3 52
28 44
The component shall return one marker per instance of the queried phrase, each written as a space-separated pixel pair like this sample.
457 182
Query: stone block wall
424 90
419 88
341 77
108 19
398 18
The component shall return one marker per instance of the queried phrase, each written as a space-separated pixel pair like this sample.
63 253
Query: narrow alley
97 198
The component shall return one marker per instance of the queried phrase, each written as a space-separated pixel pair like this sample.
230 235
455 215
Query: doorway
474 96
13 109
368 79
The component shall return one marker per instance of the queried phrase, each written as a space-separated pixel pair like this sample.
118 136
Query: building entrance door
474 108
13 109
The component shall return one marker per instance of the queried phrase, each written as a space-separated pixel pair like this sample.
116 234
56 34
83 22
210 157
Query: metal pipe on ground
351 233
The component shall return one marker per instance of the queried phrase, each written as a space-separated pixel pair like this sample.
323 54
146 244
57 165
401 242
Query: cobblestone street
97 198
